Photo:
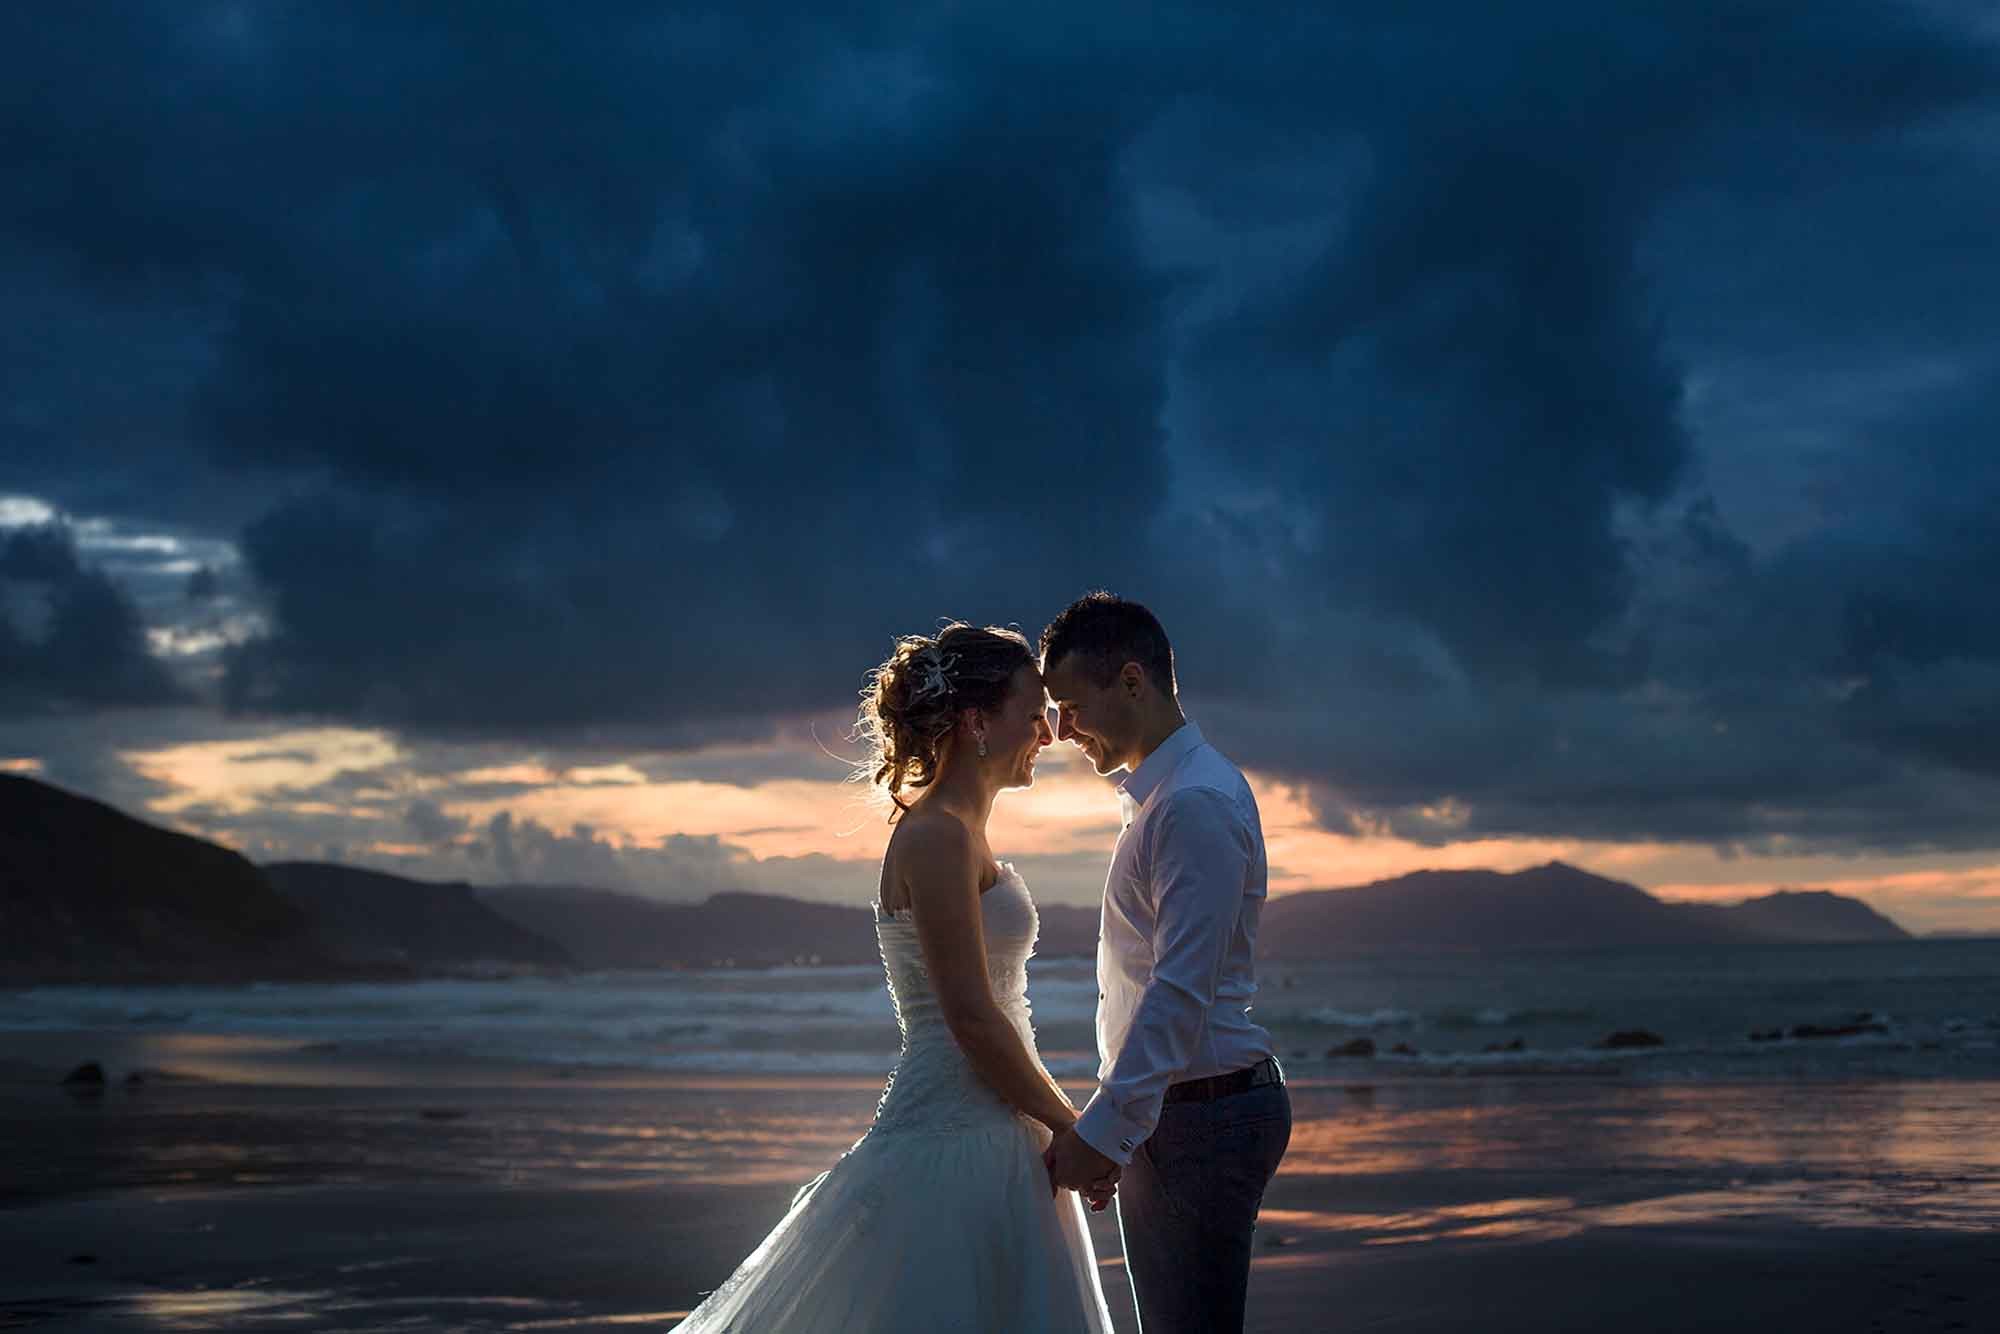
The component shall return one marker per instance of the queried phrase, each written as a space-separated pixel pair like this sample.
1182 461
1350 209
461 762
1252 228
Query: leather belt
1264 1072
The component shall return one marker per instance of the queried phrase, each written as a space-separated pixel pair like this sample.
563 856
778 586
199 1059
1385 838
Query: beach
554 556
259 1183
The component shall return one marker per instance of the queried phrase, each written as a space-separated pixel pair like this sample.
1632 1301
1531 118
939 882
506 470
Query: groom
1191 1115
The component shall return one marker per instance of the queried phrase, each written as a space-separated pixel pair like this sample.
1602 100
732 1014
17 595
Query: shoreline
37 1056
487 1257
325 1189
30 1057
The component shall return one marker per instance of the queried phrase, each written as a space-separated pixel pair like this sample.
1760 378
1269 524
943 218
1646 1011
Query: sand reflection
1923 1206
1401 1159
1890 1127
1528 1218
212 1308
651 1319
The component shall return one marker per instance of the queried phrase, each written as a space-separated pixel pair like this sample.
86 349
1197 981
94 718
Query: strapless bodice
940 1217
933 1086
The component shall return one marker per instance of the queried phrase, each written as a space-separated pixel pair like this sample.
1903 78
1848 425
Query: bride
941 1217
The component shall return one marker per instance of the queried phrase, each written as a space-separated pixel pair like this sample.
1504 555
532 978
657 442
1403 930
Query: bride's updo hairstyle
913 700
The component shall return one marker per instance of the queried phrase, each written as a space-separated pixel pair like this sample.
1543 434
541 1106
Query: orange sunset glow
489 494
637 803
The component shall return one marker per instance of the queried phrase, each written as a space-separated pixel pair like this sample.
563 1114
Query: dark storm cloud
1551 420
641 392
1919 630
70 638
1454 396
1517 608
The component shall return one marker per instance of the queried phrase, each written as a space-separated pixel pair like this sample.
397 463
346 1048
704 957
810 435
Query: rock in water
89 1075
1356 1047
1632 1037
1851 1029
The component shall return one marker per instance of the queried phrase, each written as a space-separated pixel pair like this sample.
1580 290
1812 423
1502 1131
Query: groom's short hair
1104 632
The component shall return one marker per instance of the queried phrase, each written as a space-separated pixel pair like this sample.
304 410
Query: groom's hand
1074 1165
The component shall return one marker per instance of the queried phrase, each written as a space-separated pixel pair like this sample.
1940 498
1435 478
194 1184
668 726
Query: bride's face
1016 734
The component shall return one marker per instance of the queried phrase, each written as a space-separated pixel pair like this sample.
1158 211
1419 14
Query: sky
494 441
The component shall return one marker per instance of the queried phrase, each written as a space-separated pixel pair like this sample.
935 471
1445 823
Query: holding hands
1074 1165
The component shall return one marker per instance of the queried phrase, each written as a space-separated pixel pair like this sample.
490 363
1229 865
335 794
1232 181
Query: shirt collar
1153 770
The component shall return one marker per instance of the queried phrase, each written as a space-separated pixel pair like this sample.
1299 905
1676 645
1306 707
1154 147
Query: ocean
1915 1009
597 1151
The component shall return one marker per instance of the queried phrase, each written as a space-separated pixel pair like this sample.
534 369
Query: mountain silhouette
372 918
88 893
1551 905
605 929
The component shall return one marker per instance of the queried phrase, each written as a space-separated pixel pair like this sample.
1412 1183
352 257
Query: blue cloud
1472 390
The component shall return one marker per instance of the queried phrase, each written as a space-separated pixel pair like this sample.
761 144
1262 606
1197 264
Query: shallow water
504 1199
1923 1009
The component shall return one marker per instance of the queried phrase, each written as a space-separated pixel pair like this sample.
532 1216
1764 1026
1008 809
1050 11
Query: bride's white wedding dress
940 1217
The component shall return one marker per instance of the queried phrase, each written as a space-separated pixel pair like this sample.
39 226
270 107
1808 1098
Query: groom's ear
1132 680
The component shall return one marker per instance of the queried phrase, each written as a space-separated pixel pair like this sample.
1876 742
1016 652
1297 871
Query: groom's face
1093 718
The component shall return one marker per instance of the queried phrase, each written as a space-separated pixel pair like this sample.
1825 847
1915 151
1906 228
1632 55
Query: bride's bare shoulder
930 838
929 847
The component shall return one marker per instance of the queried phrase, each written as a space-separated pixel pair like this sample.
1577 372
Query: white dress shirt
1176 951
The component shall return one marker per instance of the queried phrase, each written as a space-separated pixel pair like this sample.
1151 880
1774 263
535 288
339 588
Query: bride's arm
942 870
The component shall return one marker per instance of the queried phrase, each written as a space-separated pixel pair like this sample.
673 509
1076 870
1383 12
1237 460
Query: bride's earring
982 748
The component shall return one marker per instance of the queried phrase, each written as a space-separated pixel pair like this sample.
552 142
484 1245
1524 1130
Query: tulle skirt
926 1232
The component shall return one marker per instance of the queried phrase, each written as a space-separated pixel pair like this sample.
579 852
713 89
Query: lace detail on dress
934 1089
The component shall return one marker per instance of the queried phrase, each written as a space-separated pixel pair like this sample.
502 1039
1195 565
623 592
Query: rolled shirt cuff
1111 1133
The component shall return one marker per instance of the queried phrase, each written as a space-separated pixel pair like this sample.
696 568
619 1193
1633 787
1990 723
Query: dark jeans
1187 1205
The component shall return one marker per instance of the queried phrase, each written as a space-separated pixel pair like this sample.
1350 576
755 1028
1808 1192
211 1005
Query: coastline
483 1257
328 1189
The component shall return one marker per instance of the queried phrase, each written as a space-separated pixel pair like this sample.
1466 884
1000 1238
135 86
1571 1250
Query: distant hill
90 894
373 918
1814 916
1067 932
599 928
1552 905
603 929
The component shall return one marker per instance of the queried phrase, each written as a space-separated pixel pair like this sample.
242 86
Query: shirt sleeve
1200 860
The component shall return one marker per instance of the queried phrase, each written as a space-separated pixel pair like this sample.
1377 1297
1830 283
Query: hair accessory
931 667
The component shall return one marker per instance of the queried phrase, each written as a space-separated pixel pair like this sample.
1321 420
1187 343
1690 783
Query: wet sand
311 1189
